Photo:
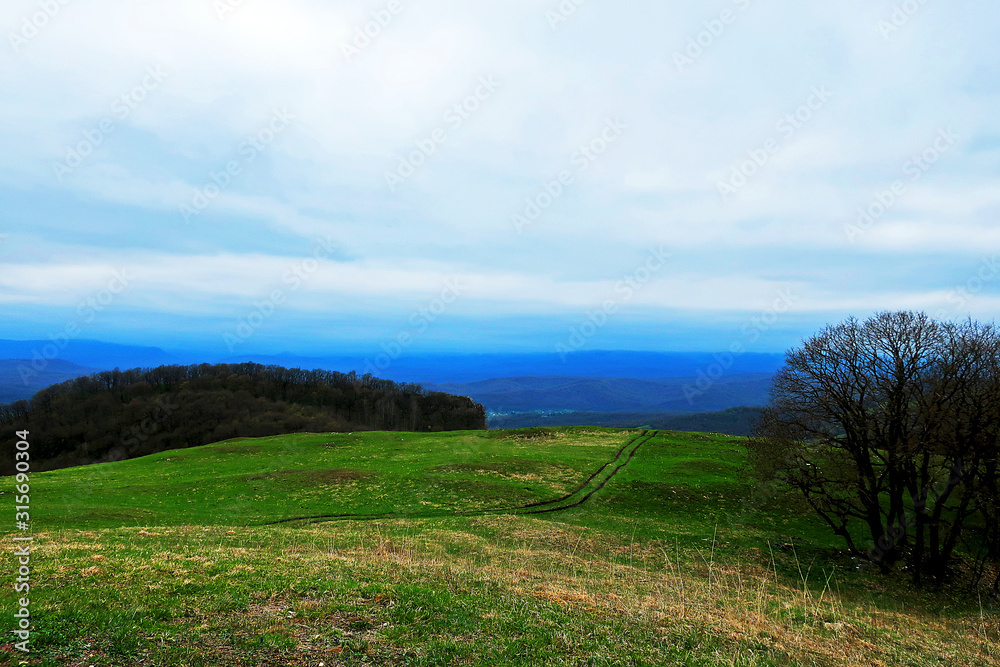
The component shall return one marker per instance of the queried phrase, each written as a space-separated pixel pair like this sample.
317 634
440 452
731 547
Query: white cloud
354 120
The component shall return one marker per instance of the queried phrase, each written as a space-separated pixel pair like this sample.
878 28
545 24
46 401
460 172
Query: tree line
115 415
890 430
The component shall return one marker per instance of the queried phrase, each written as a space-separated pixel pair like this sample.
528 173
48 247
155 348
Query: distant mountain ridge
658 395
464 368
599 382
20 378
93 354
409 366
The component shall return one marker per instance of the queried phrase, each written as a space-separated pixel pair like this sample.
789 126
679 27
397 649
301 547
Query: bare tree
888 427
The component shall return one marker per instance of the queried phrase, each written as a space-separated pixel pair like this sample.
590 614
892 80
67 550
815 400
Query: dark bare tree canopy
890 429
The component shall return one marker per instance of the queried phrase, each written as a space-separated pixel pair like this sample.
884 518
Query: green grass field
470 548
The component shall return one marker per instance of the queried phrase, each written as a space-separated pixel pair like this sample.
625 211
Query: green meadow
559 546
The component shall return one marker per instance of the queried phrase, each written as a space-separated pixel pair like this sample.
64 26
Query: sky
435 175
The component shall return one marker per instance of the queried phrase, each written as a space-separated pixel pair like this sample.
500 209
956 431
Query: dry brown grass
663 592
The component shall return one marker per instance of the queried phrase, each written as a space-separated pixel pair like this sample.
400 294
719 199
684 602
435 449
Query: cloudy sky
317 176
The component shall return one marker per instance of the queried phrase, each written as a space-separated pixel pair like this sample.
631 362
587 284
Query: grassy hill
256 481
562 546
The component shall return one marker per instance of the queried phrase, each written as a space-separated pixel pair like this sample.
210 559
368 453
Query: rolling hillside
432 552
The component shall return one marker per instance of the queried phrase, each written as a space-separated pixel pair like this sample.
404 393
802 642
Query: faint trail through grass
588 488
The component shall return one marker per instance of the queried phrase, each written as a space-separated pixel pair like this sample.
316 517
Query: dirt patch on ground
504 467
238 449
331 476
520 435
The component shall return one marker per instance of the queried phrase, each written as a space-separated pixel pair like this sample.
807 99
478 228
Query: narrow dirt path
575 498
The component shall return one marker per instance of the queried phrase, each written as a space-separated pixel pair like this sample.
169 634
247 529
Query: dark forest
115 415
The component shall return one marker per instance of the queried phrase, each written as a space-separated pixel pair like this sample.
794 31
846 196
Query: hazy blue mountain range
20 379
447 368
660 389
659 395
424 368
91 353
